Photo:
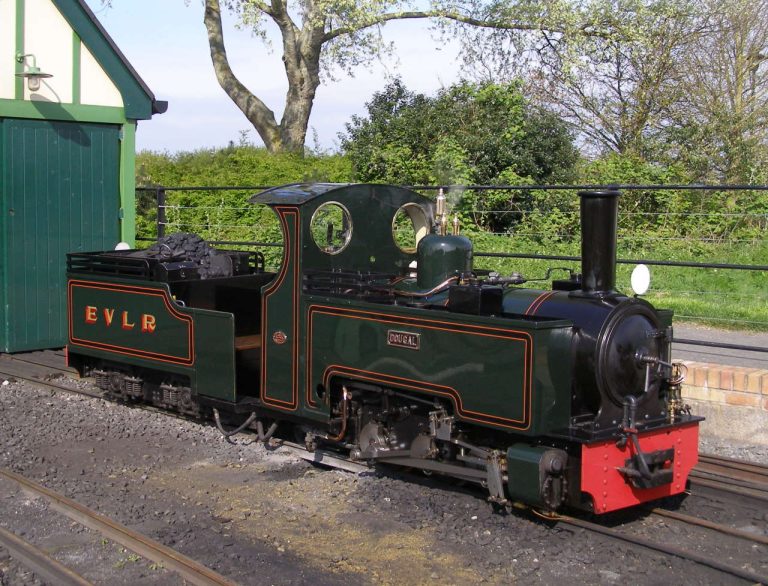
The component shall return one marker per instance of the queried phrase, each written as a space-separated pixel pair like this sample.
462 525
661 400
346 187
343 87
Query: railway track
715 473
725 474
735 477
720 528
740 469
188 569
745 479
664 548
39 562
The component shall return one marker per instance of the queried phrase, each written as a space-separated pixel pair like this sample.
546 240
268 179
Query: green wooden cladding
67 169
59 194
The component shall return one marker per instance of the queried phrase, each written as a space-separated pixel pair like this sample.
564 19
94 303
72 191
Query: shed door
60 193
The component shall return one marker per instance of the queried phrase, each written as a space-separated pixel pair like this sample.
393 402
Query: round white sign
641 279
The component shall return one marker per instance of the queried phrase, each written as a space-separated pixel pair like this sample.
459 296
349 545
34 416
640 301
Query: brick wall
733 399
730 385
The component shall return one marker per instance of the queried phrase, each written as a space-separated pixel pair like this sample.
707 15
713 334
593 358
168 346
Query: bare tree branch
456 17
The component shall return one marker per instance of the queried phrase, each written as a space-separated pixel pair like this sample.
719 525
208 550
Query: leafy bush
239 166
482 134
422 146
225 215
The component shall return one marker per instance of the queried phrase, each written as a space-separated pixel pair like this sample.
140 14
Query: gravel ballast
263 516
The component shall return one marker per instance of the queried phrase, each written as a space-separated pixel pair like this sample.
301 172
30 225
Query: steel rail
756 480
756 493
730 478
759 471
732 475
660 547
563 258
40 563
711 525
320 456
619 186
326 458
160 192
34 360
227 242
190 570
743 347
626 261
50 386
205 188
333 460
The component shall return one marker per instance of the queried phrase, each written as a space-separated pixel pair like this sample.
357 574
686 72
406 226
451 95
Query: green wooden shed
69 105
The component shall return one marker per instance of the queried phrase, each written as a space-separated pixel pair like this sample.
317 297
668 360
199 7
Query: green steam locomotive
394 349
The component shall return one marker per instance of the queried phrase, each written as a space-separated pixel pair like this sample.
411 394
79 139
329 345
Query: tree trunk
256 111
301 58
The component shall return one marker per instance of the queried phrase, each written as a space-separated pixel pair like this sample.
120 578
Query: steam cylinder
440 257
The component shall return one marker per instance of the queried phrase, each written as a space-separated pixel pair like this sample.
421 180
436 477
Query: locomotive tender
400 352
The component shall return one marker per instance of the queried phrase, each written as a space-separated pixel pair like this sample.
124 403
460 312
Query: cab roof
296 193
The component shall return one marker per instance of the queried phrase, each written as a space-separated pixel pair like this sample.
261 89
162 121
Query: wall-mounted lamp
33 72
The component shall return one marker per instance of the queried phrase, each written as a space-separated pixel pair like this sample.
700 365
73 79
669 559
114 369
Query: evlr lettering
148 322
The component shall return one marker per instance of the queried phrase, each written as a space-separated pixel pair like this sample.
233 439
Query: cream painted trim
96 88
7 49
48 36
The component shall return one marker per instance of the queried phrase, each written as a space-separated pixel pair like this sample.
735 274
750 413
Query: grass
734 299
726 298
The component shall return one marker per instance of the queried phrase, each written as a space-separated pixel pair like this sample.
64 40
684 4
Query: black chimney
599 216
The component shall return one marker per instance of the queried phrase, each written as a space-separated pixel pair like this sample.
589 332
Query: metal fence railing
709 243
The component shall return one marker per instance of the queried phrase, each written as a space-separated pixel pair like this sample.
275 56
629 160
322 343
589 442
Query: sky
166 42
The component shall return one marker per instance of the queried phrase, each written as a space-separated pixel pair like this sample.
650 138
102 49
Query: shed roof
139 101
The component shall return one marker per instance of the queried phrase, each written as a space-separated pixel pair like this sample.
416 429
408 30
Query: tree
390 143
320 34
466 134
721 122
485 129
616 89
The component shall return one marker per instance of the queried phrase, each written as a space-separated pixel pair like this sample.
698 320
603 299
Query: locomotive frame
432 366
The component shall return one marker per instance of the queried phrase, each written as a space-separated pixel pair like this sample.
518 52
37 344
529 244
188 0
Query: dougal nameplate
403 339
